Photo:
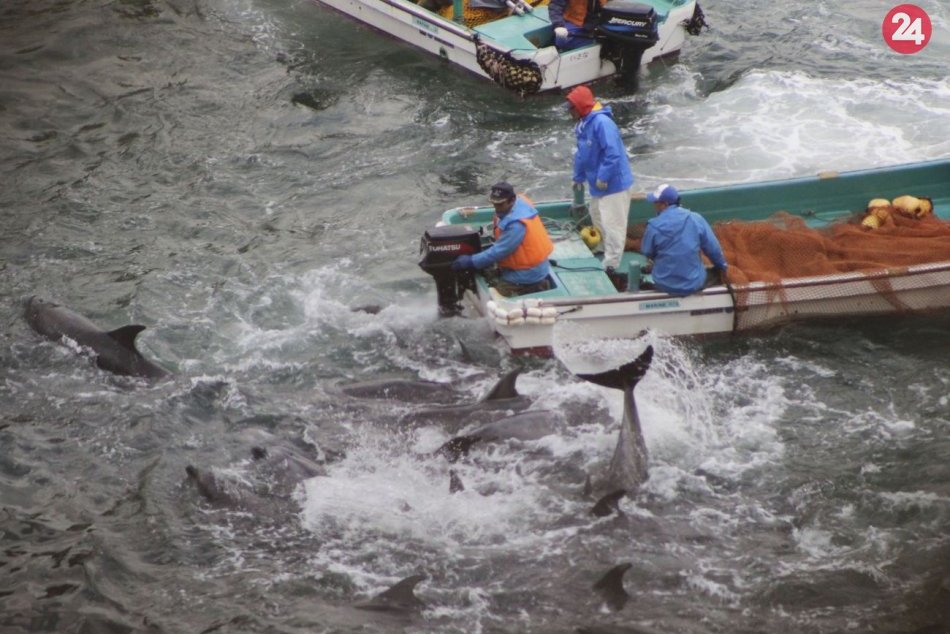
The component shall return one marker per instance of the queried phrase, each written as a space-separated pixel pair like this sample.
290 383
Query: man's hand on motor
462 262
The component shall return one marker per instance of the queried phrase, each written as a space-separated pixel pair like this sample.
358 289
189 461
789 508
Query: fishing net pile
876 249
474 16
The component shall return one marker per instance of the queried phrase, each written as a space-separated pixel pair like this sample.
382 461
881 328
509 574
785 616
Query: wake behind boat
797 249
512 42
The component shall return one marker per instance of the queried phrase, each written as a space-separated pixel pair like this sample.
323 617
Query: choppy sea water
238 175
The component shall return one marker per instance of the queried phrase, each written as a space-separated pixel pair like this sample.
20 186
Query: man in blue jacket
673 240
601 162
521 247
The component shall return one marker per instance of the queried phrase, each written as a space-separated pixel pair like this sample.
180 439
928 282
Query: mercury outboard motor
625 29
439 247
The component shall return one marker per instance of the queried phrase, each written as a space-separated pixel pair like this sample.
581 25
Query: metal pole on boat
578 207
457 11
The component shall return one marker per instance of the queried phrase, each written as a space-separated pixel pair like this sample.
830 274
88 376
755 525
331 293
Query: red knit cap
582 99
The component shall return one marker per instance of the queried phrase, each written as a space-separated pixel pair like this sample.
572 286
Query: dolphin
610 587
503 396
411 390
219 491
115 350
628 466
527 425
400 598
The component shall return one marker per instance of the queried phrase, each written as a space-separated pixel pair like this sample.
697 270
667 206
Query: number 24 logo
909 30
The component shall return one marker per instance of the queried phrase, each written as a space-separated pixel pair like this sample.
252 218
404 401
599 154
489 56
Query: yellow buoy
590 236
906 205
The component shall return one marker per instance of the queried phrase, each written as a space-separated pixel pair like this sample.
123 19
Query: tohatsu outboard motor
439 247
625 29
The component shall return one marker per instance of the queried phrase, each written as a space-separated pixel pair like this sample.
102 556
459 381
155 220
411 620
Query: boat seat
520 32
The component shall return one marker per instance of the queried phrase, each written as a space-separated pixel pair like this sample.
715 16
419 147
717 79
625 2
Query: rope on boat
521 75
696 24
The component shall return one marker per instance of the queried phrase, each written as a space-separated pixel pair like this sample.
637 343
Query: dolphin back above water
628 466
115 349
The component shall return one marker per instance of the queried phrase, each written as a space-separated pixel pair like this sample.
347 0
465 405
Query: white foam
777 124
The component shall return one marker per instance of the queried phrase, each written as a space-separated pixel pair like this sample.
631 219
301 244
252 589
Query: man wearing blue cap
521 246
673 240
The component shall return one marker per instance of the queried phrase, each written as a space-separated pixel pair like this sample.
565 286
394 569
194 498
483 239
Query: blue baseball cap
501 192
664 194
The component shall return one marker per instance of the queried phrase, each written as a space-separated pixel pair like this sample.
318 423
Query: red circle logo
906 29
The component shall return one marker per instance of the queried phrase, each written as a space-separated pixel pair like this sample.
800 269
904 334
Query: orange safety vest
576 10
535 247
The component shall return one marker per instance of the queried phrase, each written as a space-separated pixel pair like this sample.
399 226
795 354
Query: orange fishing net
472 17
784 247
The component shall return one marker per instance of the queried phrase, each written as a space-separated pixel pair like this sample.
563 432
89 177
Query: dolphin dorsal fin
610 587
505 388
126 335
624 377
399 597
455 482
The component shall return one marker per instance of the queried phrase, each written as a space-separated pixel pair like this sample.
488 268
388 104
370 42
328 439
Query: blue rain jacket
512 233
673 241
601 154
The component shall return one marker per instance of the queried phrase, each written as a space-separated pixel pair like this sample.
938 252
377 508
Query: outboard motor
625 29
439 247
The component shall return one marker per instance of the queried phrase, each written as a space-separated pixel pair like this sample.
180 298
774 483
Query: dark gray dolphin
503 396
528 425
400 598
218 490
400 389
115 350
283 466
610 587
628 466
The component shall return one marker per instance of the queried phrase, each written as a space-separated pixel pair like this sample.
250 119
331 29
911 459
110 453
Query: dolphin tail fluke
626 376
610 587
609 503
399 598
505 388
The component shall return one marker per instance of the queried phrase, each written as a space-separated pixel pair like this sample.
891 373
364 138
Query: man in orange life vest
573 22
521 246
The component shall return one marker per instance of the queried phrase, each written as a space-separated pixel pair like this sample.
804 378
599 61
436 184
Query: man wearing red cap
601 161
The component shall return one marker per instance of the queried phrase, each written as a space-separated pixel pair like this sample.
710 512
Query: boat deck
532 30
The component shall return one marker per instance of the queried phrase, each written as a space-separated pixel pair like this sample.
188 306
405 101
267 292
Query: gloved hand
560 35
462 262
601 184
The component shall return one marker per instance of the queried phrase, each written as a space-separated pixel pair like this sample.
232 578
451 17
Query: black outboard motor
439 247
625 29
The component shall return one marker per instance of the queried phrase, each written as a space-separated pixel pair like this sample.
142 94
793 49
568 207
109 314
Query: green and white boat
511 42
892 269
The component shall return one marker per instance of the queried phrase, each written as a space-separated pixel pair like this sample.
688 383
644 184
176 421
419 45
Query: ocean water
238 176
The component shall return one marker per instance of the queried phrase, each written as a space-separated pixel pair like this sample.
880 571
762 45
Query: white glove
560 34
